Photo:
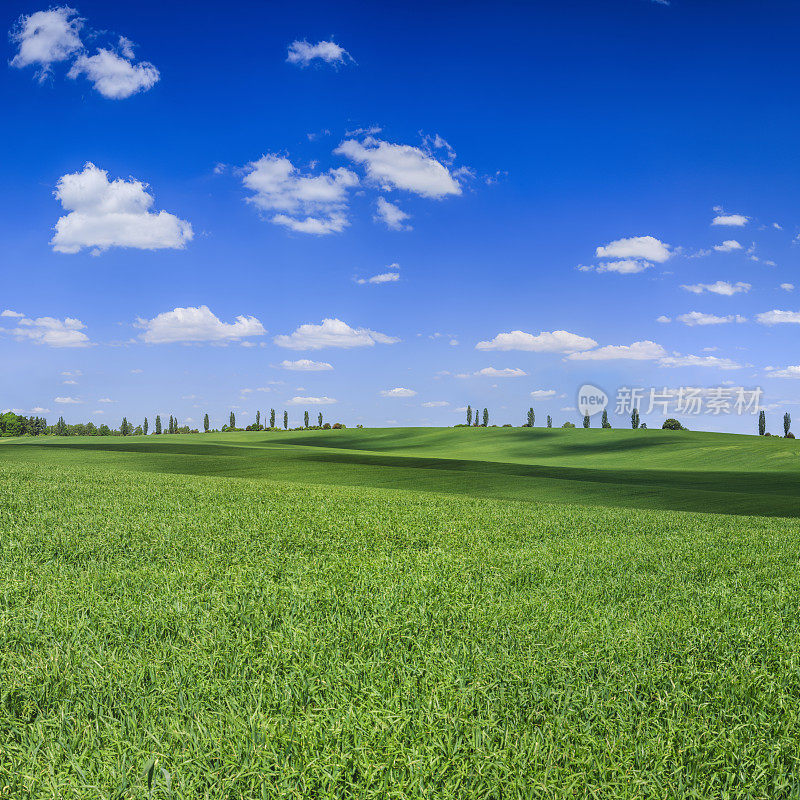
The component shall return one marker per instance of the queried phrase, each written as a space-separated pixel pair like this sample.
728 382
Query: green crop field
409 613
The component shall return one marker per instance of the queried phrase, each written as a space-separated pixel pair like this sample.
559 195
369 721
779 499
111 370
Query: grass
175 635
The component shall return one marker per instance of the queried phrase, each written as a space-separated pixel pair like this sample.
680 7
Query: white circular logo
591 400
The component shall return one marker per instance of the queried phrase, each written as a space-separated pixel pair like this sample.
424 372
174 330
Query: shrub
337 426
672 425
789 435
326 426
568 425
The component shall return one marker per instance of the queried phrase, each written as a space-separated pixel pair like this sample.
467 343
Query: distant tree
232 423
305 419
286 420
671 425
568 425
531 417
206 423
485 417
123 428
138 431
635 418
272 418
158 425
104 430
586 421
146 426
319 419
787 423
604 422
61 427
762 423
258 420
549 421
469 415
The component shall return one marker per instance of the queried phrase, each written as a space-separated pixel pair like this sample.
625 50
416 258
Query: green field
488 613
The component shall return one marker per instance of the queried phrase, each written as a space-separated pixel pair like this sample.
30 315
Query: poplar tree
762 423
319 419
124 426
158 425
171 424
531 417
605 423
485 418
305 419
146 426
272 418
206 423
258 420
286 420
787 423
469 415
635 418
549 421
586 421
232 420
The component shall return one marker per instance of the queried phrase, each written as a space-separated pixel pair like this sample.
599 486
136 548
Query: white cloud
46 37
401 166
9 313
728 246
435 404
315 204
719 287
399 391
786 372
105 400
543 394
731 220
196 325
699 318
105 214
66 400
625 266
306 365
311 401
39 410
383 277
114 74
777 317
544 342
699 361
70 382
49 331
663 319
392 215
507 372
787 287
303 53
332 333
638 351
647 248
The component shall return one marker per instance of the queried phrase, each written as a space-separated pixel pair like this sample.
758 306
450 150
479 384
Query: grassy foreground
183 636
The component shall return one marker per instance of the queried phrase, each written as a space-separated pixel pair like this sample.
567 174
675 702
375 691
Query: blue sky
538 185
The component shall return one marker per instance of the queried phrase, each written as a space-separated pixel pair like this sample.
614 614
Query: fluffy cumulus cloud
401 166
435 404
543 394
306 365
506 372
196 325
391 215
398 391
646 248
46 37
116 213
694 318
300 400
730 220
638 351
719 287
778 317
785 372
304 53
625 266
544 342
67 400
49 331
728 246
113 72
304 203
787 287
332 333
